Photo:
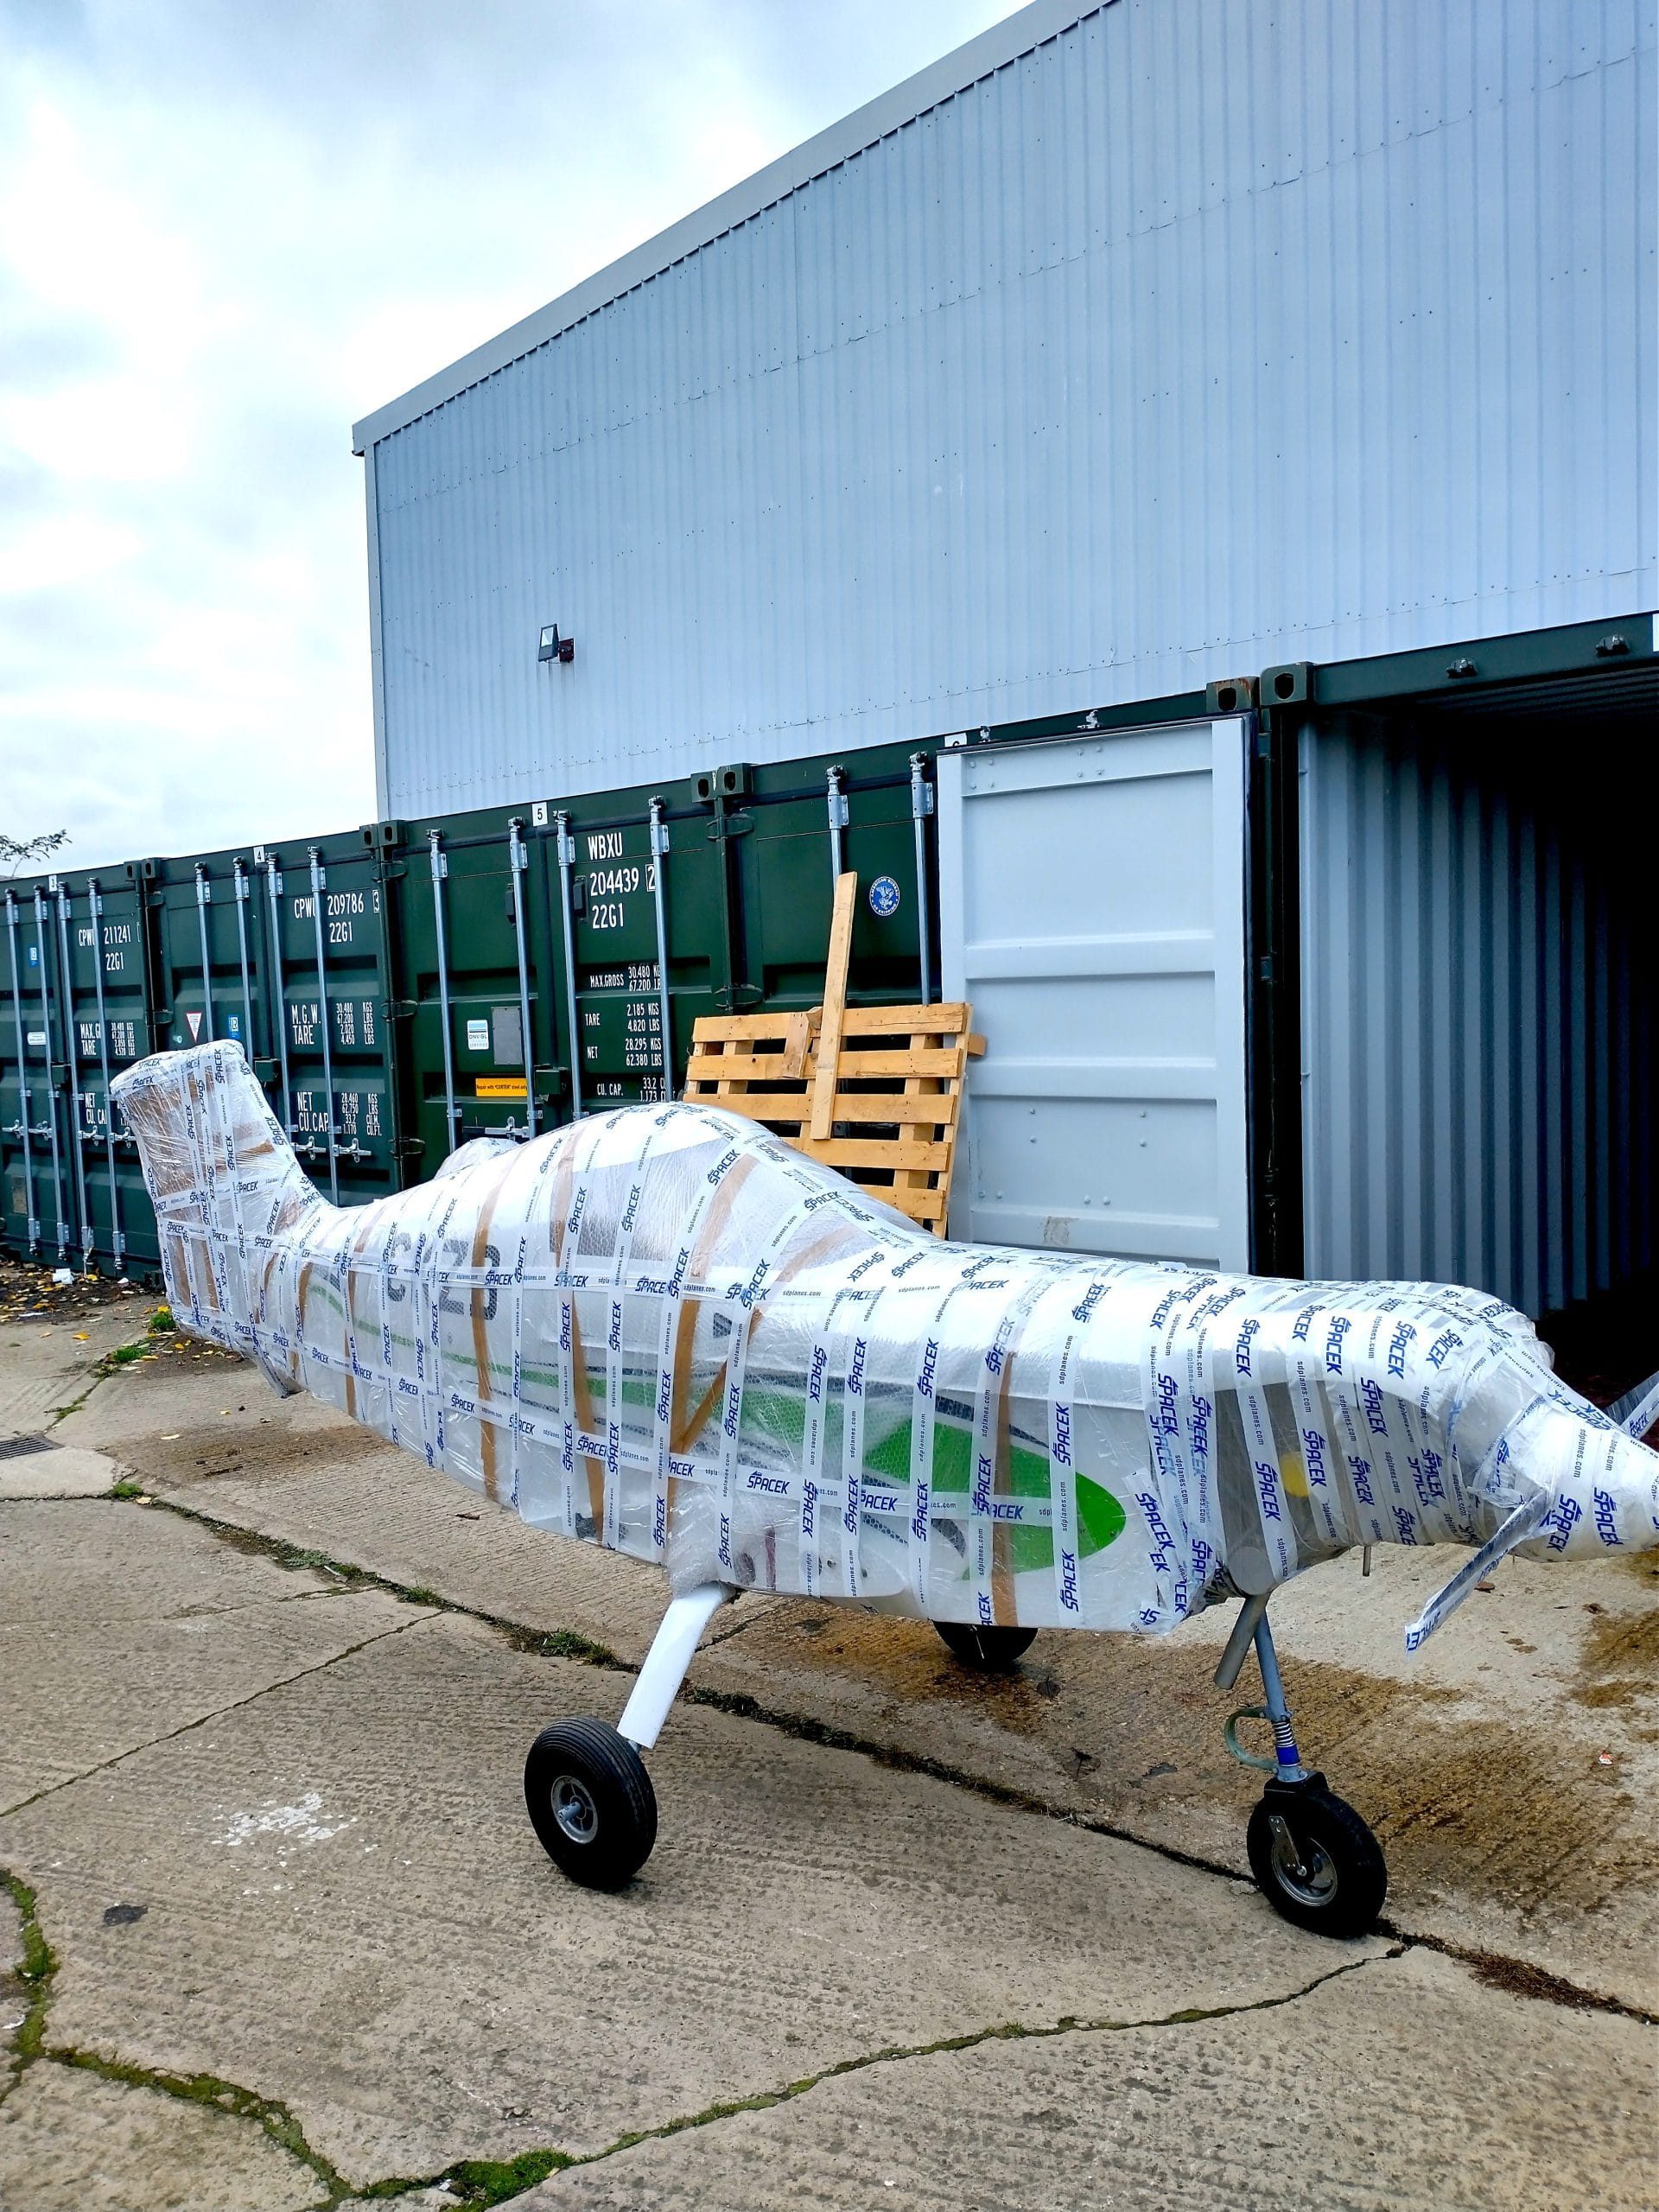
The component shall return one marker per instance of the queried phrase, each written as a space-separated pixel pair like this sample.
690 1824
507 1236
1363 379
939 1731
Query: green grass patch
494 2181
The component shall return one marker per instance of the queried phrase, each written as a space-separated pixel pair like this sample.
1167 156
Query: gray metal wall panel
1208 334
1478 1043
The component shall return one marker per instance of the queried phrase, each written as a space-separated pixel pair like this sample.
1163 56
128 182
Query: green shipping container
602 928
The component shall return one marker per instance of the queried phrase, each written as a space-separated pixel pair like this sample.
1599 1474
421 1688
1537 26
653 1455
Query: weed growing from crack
39 1966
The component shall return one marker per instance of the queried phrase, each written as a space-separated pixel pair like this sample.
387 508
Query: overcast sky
227 231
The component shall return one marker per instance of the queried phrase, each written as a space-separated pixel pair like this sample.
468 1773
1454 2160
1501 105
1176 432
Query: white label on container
478 1036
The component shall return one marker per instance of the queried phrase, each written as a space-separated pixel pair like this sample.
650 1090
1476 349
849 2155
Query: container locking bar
839 817
278 992
567 847
921 805
658 863
518 856
203 900
239 881
319 886
440 871
95 905
71 1062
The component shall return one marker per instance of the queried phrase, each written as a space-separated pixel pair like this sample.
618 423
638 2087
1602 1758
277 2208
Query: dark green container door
108 1003
615 875
457 933
73 1012
237 957
42 1217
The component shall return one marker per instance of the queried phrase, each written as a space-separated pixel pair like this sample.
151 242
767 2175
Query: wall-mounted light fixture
554 647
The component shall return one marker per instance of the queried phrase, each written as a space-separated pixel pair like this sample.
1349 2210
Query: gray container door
1092 909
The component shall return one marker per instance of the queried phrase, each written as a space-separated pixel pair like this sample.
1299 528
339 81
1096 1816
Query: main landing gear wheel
591 1802
1315 1859
992 1650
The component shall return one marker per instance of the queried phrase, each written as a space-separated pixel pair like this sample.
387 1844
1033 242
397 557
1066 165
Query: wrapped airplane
661 1331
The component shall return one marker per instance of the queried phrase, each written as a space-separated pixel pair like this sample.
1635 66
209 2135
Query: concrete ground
274 1931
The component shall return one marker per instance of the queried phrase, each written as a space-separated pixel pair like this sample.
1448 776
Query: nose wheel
1315 1860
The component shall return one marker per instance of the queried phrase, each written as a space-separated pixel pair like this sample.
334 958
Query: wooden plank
866 1152
797 1043
726 1027
949 1020
871 1109
906 1202
834 1003
943 1062
743 1067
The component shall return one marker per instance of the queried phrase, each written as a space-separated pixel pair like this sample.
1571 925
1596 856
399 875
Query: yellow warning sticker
500 1086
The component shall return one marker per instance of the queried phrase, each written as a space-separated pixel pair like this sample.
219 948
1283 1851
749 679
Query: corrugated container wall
1203 335
1478 1015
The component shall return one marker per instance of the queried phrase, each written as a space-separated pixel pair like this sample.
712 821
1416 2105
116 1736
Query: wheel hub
574 1809
1307 1874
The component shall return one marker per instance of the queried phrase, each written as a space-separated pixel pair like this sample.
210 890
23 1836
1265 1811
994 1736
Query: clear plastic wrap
662 1330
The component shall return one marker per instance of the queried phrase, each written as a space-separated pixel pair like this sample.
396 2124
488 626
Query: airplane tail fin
223 1179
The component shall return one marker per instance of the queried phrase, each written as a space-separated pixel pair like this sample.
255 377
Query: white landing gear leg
589 1798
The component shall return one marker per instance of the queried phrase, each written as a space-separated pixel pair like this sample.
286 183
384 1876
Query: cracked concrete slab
70 2142
46 1470
1406 2083
348 1912
51 1362
119 1624
1510 1768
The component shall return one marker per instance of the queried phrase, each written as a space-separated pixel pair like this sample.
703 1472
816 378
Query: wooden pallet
888 1099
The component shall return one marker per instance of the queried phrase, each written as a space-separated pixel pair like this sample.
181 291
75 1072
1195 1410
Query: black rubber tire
601 1782
1345 1880
992 1650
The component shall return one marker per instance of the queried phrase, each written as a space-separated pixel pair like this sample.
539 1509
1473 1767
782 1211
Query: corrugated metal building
1129 349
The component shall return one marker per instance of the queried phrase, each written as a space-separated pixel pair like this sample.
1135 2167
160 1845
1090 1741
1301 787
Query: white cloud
227 233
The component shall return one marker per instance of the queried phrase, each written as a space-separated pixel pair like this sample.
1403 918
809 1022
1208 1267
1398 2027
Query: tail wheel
590 1802
992 1650
1315 1859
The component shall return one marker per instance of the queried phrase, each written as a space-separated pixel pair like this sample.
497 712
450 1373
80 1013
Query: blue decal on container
883 896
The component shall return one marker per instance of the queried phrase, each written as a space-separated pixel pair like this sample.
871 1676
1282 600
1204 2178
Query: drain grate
21 1447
